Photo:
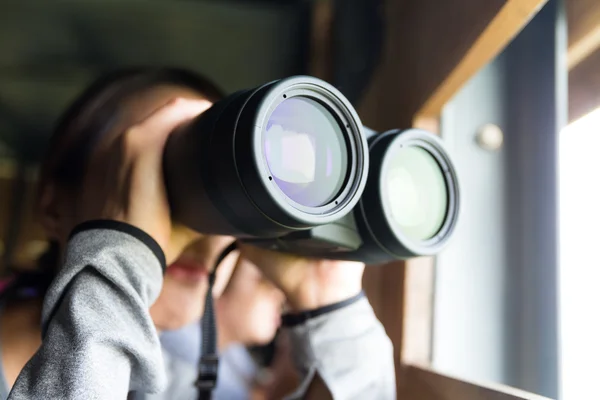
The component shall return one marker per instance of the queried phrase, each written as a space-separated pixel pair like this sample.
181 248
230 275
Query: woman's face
249 309
181 301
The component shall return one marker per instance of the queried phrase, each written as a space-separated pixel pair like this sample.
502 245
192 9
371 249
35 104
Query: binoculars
288 166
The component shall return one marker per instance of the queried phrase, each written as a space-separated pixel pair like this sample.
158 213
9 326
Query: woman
104 207
185 283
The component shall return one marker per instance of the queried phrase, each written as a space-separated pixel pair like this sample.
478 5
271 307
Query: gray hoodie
99 341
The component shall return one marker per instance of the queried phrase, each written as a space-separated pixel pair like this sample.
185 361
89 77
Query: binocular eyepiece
289 166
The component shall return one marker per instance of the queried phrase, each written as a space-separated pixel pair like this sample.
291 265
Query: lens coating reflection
416 192
305 151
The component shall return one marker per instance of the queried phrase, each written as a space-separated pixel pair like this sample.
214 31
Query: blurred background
510 85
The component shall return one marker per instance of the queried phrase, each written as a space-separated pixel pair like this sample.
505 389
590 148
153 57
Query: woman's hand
307 283
125 181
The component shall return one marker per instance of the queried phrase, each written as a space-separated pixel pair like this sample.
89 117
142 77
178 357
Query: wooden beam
31 239
393 295
503 27
417 327
583 18
584 86
434 47
423 384
5 196
583 56
583 48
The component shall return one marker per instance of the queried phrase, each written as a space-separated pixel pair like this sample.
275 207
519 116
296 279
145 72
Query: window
579 175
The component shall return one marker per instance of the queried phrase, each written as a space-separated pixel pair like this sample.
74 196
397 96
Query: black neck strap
293 319
209 354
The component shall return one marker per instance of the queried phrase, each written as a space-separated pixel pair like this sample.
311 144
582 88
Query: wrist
124 227
316 297
323 283
293 319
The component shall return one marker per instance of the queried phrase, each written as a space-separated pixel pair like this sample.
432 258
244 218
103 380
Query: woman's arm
338 345
344 354
99 341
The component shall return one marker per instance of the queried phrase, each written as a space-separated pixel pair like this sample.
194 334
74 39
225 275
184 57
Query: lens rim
375 206
355 144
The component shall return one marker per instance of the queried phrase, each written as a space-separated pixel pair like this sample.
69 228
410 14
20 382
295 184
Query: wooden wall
583 56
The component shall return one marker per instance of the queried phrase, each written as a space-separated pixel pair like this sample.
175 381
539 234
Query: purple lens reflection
305 151
267 148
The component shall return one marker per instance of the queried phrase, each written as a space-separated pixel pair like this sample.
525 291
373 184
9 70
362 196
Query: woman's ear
50 211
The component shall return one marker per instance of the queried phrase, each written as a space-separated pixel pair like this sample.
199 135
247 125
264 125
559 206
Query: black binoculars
289 166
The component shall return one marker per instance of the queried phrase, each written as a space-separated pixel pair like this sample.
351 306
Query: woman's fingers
159 125
125 178
145 142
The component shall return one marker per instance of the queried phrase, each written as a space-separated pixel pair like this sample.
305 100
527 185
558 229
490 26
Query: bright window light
579 180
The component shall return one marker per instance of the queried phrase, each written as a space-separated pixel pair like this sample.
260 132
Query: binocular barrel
289 166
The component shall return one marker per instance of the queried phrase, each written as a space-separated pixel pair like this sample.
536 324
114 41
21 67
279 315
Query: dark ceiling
50 50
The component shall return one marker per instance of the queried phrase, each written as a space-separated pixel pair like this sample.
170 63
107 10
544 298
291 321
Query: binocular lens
286 156
411 201
288 166
416 192
305 151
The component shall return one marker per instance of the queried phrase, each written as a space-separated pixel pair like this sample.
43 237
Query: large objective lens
410 204
283 157
416 192
305 151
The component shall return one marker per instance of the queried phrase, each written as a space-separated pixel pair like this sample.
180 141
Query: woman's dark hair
84 123
93 113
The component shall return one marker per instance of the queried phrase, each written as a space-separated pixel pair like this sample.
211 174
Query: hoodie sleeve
347 347
98 340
